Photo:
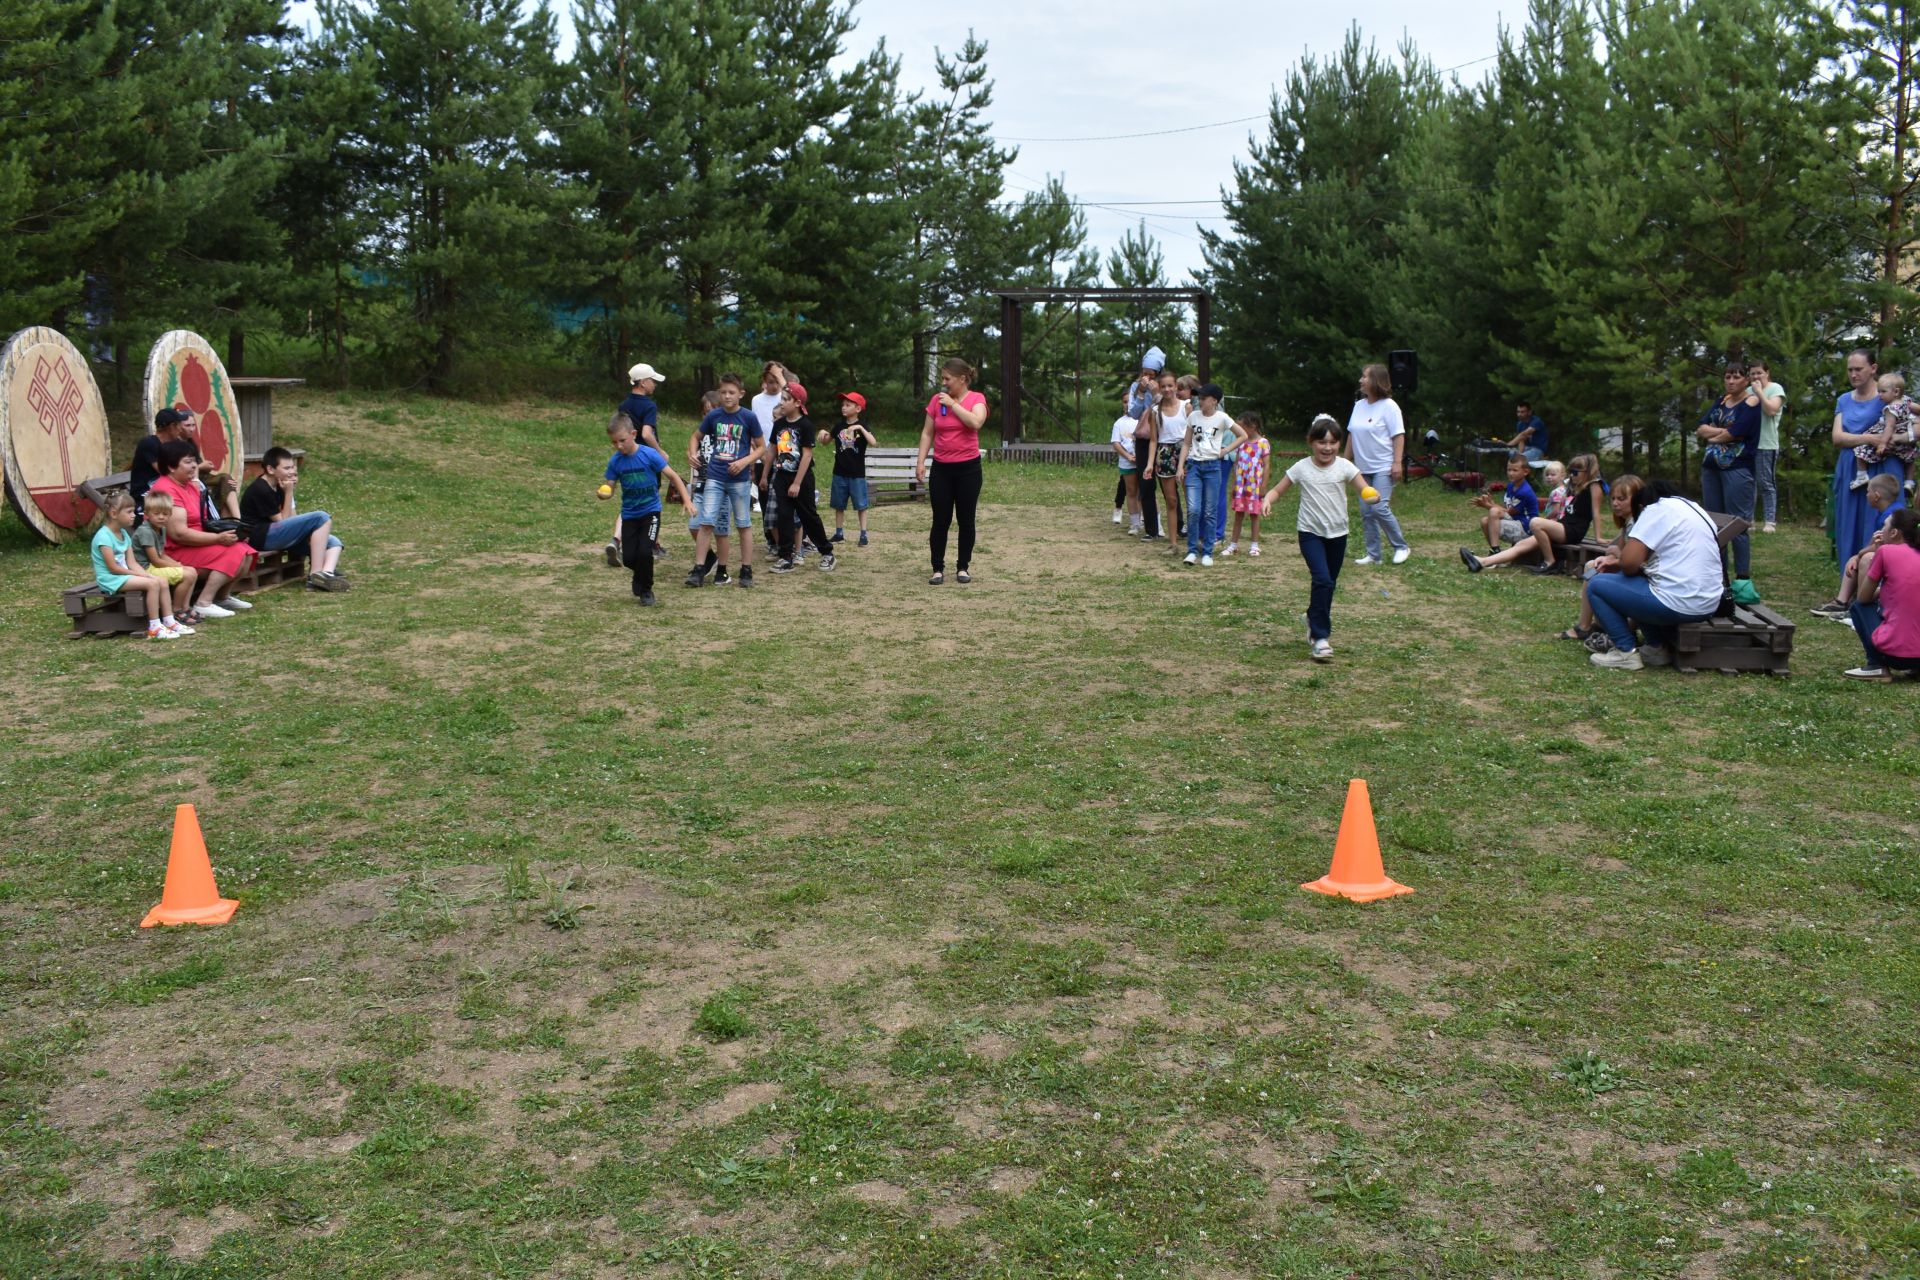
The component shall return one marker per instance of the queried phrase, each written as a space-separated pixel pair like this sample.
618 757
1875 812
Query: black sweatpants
954 488
637 536
808 512
1149 506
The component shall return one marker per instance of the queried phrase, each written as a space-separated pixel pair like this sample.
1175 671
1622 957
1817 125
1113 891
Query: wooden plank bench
1755 638
95 613
890 475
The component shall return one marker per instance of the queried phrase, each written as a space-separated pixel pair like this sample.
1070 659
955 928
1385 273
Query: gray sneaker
827 562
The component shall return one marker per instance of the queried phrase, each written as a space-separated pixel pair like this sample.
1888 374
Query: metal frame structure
1012 391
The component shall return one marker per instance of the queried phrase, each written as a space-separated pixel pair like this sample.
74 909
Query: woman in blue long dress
1856 413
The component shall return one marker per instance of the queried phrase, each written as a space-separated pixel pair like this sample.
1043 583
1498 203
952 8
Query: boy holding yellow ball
637 470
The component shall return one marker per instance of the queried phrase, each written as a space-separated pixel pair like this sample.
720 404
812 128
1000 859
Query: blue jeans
1203 495
1532 454
1378 515
1619 600
1866 620
1731 492
1324 556
1764 463
1226 491
723 498
295 530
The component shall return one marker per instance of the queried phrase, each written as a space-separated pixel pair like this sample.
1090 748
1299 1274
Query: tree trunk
236 351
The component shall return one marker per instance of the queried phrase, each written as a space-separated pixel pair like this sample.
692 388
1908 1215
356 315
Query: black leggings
954 487
808 516
1149 505
637 536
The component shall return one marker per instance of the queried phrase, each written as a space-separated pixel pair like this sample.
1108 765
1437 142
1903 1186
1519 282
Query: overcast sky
1127 66
1095 69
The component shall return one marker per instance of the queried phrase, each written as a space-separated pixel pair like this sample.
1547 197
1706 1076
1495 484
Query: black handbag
223 525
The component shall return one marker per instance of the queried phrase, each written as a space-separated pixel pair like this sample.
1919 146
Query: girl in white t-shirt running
1323 476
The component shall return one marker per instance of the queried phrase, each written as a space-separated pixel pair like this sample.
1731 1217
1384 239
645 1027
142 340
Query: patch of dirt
733 1104
878 1193
1008 1180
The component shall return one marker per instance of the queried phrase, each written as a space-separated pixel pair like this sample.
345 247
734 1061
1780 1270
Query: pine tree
1879 38
951 174
455 174
58 189
1730 237
1313 212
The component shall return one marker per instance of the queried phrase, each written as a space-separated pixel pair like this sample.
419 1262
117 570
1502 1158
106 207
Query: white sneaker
1116 517
1254 550
233 602
211 610
1231 548
1400 555
1655 655
162 633
181 629
1618 659
1867 673
1320 651
1767 528
1368 560
1206 562
1191 559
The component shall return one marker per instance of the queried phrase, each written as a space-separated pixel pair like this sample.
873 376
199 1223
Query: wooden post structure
1010 312
1014 301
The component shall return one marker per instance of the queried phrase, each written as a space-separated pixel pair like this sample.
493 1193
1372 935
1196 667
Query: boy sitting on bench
274 524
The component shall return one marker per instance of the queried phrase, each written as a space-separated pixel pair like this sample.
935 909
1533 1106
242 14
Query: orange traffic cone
1357 871
190 896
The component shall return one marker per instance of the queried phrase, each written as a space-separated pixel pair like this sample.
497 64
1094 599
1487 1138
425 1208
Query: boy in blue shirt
638 470
1513 519
645 416
726 501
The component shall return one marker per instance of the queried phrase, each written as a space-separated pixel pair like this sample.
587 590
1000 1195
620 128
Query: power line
1152 133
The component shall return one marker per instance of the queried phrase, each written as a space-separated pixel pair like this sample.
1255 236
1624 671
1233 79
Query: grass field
850 927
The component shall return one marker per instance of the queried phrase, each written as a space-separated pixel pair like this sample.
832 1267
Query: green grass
849 927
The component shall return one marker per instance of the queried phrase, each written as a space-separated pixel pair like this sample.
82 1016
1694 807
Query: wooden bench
95 613
1755 638
890 476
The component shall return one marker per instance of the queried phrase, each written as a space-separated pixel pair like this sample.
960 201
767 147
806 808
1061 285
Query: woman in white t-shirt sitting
1668 571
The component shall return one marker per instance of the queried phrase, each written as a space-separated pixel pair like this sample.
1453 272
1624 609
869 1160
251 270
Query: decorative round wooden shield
184 374
53 431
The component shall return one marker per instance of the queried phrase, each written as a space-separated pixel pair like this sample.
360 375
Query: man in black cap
146 454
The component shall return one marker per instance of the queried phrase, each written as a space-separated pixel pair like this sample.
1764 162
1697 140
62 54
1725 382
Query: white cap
640 371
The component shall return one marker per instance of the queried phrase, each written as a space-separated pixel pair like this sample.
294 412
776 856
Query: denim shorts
721 498
849 488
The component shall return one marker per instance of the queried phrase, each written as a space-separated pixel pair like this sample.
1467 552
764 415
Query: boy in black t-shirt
274 524
849 464
146 455
792 480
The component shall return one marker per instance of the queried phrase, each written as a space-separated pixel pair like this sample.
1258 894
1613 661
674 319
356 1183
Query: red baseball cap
859 401
797 391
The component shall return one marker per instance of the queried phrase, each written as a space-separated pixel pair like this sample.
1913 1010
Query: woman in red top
219 556
952 432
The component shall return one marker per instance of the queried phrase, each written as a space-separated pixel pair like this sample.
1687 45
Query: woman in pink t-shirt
1886 614
220 557
952 433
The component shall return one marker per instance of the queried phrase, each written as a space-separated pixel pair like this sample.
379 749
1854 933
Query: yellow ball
1370 494
606 491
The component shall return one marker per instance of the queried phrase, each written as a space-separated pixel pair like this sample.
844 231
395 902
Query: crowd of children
740 460
1173 440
